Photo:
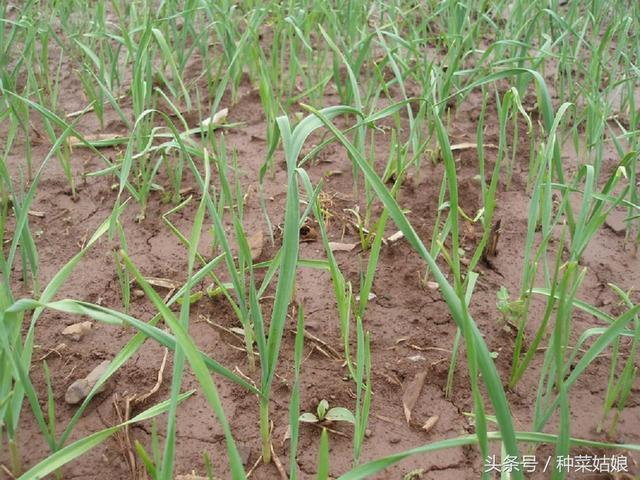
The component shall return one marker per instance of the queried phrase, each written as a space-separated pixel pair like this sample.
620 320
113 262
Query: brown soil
410 327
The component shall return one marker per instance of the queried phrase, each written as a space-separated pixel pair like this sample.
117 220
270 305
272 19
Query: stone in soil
79 390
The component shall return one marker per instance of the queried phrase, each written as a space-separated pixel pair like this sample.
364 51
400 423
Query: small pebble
77 330
79 390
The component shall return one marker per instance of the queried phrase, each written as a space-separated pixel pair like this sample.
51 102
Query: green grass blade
323 456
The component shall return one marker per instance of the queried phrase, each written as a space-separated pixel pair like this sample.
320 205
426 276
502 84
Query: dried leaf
370 296
411 394
256 241
216 120
162 282
237 330
395 237
432 285
430 423
389 420
491 248
287 435
193 476
468 145
341 247
416 358
137 400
